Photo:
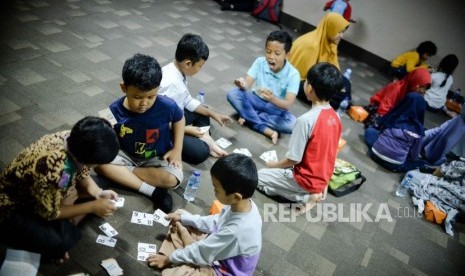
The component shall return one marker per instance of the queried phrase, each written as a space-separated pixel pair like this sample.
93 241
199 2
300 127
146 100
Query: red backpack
269 10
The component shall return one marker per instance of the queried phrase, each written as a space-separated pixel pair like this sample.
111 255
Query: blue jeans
260 114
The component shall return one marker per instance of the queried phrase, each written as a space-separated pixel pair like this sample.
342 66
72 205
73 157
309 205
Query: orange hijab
315 46
391 94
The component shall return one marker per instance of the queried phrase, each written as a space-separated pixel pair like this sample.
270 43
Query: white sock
146 189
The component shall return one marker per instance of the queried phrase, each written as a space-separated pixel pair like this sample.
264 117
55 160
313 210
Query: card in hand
108 115
269 156
222 142
142 218
204 129
108 230
118 202
159 216
142 256
111 242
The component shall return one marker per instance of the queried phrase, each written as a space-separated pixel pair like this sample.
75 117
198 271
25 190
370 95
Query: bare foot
274 137
312 201
241 121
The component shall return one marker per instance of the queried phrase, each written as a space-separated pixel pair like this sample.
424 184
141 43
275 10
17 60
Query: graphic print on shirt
124 130
147 150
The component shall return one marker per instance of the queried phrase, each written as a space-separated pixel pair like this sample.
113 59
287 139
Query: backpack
345 179
269 10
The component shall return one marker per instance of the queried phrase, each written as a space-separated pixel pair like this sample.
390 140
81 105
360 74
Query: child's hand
186 237
158 261
108 194
103 207
271 164
173 217
173 157
267 95
222 119
193 131
240 83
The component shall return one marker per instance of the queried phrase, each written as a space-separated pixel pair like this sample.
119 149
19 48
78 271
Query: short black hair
326 80
236 173
427 47
93 141
142 71
282 37
191 47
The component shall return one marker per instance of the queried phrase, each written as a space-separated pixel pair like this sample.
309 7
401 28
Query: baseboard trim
348 48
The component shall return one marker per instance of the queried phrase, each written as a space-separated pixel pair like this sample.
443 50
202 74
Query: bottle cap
202 92
197 173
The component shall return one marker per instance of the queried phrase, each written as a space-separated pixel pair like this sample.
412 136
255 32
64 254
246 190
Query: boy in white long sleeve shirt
233 241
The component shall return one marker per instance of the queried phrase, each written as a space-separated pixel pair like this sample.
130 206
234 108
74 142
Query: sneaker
162 200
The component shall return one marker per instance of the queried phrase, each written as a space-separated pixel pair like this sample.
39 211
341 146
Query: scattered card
222 142
159 216
269 156
243 151
108 115
112 267
108 230
142 218
204 129
111 242
146 247
118 202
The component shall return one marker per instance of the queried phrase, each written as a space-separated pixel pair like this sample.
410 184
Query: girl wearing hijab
396 146
440 140
319 45
419 80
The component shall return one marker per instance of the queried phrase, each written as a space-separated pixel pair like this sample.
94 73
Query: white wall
388 28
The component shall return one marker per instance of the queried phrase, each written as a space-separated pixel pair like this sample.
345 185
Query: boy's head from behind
234 176
277 47
141 80
426 49
93 141
323 81
191 54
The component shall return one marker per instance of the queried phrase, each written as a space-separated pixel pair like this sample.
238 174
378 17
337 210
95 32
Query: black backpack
269 10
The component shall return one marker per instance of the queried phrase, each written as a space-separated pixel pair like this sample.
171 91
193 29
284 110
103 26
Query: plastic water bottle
201 97
347 73
343 106
192 186
402 189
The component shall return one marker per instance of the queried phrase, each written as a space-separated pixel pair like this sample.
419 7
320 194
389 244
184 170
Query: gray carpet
62 60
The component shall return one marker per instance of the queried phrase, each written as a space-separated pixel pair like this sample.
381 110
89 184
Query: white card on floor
159 216
204 129
106 240
222 142
146 247
142 256
108 230
243 151
269 156
118 202
108 115
142 218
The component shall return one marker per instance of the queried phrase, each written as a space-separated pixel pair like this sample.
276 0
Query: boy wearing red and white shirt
304 174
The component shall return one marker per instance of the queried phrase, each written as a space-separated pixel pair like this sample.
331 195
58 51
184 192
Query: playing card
222 142
118 202
204 129
142 218
146 247
111 242
243 151
108 230
112 267
159 216
142 256
269 156
108 115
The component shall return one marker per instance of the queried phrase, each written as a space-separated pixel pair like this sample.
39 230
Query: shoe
162 200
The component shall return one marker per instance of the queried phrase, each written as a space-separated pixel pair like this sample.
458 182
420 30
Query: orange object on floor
216 207
453 106
358 113
341 144
433 214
